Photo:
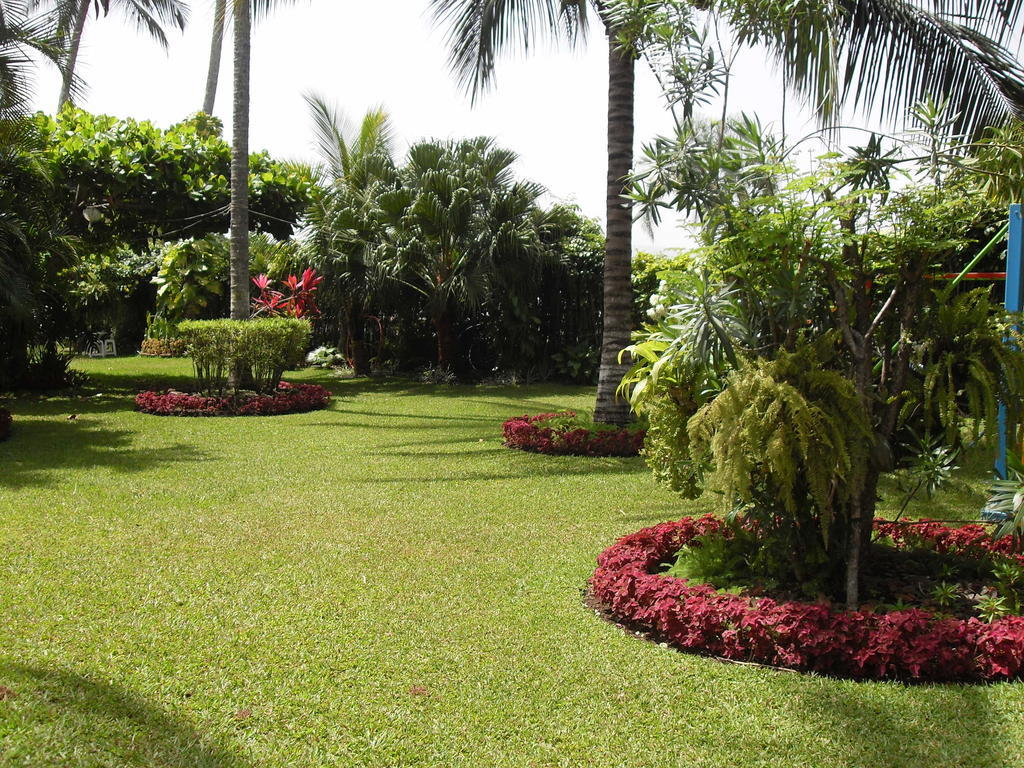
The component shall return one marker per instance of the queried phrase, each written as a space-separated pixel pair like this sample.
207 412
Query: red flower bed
5 424
903 645
539 435
290 398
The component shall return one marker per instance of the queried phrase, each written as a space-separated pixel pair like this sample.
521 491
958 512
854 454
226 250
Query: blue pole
1012 302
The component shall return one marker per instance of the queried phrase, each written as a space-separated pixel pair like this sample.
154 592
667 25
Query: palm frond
478 31
888 55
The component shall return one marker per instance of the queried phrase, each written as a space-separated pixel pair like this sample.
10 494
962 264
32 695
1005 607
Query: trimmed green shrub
259 351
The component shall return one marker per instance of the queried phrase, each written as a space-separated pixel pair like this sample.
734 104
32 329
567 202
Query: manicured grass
381 584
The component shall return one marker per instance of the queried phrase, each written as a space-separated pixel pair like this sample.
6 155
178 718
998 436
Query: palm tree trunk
75 45
357 340
447 346
240 164
618 287
216 47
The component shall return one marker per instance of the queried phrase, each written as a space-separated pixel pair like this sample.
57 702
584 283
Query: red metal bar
969 276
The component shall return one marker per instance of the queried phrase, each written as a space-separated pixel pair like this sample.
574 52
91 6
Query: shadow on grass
79 721
891 724
453 419
517 397
40 451
558 466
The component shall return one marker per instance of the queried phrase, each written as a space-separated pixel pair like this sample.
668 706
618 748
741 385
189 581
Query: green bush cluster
257 351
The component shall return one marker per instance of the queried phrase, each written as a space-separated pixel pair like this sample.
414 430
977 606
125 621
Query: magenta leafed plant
565 434
296 300
5 424
907 644
289 398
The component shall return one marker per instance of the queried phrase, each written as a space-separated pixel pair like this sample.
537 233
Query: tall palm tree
356 164
220 11
243 12
238 263
150 16
887 54
23 35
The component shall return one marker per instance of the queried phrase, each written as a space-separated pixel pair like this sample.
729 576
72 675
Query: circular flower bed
5 424
905 644
290 398
563 434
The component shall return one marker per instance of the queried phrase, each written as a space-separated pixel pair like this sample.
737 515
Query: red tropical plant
297 300
908 644
289 398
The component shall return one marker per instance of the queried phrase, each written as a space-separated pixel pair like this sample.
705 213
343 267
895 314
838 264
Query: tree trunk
618 286
73 48
240 164
447 346
216 47
357 340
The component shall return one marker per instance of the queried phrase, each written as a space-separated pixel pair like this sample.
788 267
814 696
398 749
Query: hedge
261 350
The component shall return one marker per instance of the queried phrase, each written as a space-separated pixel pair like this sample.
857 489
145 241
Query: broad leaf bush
911 644
567 435
289 398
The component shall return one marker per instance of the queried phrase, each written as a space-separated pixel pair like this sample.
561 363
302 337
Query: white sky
550 107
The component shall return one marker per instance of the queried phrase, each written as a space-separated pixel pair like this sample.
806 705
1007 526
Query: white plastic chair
103 346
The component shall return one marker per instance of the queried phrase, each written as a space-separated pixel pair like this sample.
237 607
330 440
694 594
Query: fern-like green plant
968 366
790 425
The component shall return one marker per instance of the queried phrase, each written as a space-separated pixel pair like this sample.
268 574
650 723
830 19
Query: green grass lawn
381 584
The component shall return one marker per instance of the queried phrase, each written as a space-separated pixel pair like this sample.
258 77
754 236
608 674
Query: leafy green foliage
159 327
969 368
1009 578
190 279
713 559
453 241
1006 498
578 363
151 183
791 427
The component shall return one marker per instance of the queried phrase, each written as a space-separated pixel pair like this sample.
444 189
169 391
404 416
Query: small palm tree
150 16
456 227
356 166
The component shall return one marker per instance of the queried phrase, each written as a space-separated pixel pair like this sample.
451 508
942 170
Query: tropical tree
220 10
32 250
356 165
150 16
885 54
808 354
458 226
123 183
243 13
